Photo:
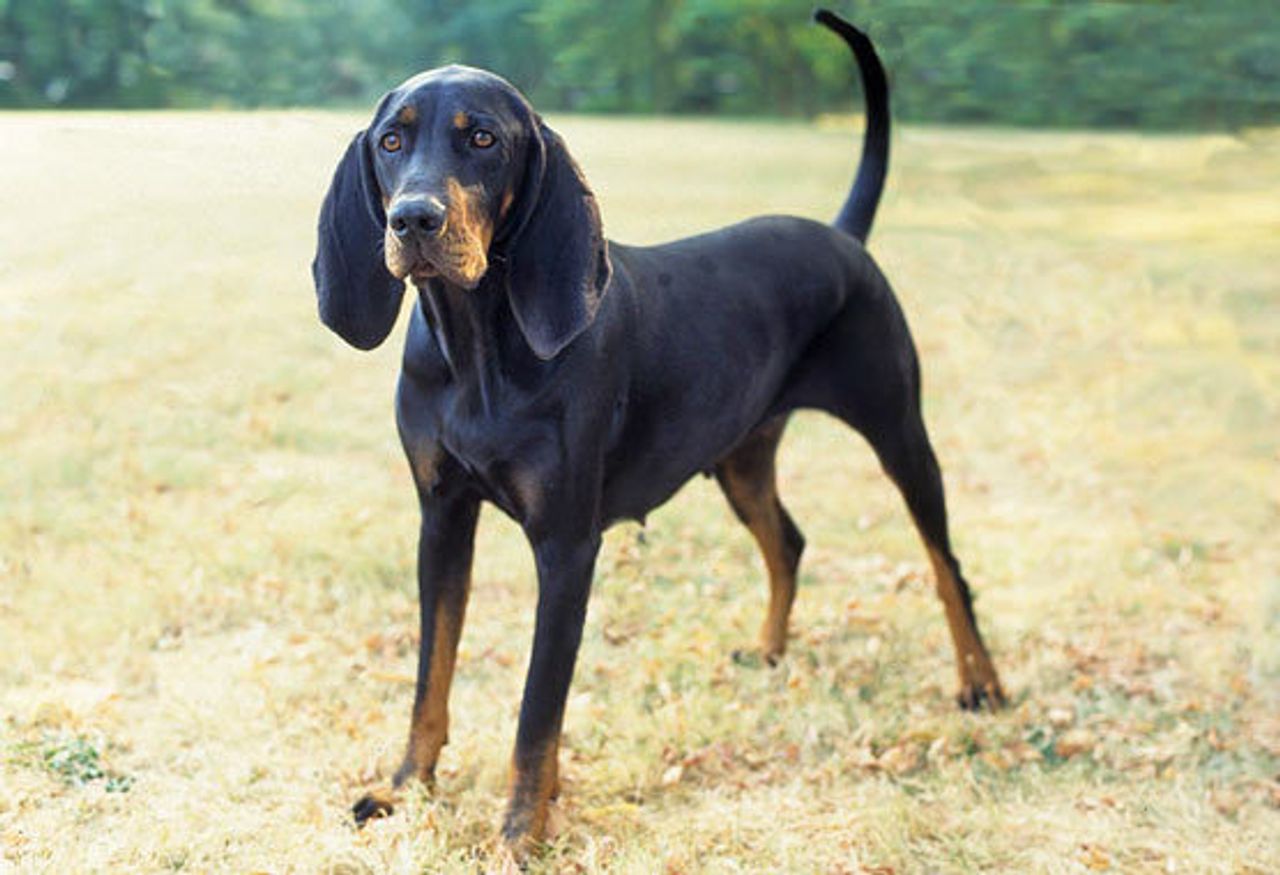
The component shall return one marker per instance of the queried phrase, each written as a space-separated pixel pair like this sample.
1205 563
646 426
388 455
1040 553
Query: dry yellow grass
206 528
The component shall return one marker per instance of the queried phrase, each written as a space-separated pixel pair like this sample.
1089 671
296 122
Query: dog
575 382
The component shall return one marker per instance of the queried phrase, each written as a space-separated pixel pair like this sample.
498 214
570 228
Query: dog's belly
671 438
636 495
633 495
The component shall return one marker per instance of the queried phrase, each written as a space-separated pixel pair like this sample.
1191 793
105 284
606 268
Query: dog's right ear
359 299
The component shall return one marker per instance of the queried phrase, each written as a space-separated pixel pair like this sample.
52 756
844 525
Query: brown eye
482 139
390 142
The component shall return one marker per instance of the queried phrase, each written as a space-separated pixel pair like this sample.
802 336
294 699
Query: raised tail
860 207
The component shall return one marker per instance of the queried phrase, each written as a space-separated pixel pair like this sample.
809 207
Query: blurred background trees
1146 63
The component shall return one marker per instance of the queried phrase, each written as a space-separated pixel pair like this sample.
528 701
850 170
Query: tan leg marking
978 679
767 530
531 793
430 730
749 480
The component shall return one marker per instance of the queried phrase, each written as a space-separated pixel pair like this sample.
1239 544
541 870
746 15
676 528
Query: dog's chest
509 458
506 455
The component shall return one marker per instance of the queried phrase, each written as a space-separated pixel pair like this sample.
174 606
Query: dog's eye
482 139
390 142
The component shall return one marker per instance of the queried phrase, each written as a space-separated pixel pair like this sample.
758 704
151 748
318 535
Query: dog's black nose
416 217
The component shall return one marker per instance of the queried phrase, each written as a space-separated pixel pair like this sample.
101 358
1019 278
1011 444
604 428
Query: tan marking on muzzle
464 245
399 259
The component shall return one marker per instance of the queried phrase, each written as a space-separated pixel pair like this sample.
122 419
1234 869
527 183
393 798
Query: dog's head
456 173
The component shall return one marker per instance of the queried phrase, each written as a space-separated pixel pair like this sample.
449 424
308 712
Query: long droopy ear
559 258
359 299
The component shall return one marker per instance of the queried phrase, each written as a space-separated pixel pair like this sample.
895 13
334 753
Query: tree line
1142 63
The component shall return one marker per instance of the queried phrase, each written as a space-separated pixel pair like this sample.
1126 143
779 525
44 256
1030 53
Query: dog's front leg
445 549
565 566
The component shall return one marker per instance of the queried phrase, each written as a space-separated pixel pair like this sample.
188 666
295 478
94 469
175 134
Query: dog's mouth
460 265
423 271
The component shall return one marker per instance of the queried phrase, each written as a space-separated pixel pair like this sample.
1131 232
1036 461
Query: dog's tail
860 208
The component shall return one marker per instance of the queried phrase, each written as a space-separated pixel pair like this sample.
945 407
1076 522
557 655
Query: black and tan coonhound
574 382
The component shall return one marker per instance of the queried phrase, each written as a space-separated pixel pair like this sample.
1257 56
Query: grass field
207 530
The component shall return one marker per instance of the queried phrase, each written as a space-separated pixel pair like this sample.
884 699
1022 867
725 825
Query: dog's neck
477 333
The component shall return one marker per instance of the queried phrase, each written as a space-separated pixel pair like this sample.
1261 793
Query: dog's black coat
578 382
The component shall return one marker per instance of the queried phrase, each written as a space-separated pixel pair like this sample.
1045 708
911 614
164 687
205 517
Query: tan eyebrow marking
460 120
407 116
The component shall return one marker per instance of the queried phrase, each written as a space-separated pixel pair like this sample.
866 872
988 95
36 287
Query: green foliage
75 760
1183 63
1136 64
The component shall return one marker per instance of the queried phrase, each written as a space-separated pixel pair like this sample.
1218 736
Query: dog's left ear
359 299
559 260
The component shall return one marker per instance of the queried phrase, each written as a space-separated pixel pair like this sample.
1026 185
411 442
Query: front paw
524 831
974 696
370 806
756 657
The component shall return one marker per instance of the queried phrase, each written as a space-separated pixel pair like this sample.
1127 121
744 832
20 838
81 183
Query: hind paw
370 806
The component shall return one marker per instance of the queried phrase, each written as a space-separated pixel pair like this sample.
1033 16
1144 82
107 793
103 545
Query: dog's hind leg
908 459
864 370
748 477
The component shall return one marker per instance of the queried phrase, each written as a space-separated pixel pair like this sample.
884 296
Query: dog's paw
503 859
976 696
370 806
755 657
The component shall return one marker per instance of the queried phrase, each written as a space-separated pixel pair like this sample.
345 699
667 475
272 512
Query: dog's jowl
573 382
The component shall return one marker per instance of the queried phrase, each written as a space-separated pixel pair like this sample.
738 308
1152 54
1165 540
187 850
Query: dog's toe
755 657
371 806
976 696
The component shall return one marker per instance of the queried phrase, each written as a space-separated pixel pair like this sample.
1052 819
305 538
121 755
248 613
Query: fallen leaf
1061 718
1000 760
901 759
1095 858
1225 802
1073 742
